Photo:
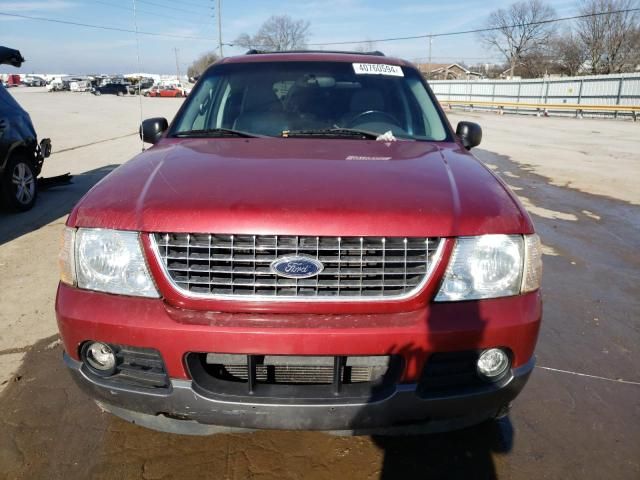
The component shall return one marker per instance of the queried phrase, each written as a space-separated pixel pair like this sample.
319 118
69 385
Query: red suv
308 245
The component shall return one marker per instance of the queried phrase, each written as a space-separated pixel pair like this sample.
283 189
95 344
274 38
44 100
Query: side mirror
45 147
152 129
470 133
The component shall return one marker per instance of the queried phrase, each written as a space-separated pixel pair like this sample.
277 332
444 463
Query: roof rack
375 53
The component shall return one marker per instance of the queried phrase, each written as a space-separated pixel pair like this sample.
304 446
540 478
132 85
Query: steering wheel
373 112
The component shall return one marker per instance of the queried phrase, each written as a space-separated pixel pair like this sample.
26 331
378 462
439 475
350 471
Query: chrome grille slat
213 265
301 374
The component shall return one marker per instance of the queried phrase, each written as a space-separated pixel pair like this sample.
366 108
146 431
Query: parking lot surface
578 418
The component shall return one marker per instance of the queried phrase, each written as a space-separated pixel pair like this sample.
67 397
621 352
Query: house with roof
447 71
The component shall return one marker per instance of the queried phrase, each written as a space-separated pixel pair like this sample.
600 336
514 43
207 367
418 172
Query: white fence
597 90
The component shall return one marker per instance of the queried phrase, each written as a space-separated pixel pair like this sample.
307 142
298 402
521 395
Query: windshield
285 98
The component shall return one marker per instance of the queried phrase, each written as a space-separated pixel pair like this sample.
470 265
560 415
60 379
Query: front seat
261 112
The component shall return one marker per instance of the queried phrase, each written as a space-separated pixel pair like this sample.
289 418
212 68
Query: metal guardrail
544 108
594 95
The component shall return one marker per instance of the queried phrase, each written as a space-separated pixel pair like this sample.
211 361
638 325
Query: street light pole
429 66
220 28
175 49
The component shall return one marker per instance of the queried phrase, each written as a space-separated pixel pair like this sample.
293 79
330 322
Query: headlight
107 261
491 266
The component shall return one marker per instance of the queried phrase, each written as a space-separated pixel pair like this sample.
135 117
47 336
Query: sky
62 48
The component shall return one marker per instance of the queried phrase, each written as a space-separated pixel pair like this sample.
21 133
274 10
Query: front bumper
181 409
415 336
511 322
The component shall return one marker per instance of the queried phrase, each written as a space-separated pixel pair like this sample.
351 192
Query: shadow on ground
52 203
51 430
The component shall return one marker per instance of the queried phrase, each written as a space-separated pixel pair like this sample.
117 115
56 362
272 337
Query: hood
301 186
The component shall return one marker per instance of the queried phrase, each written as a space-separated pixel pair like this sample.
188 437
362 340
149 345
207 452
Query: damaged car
21 156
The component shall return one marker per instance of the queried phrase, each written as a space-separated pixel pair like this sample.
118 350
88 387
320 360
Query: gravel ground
563 426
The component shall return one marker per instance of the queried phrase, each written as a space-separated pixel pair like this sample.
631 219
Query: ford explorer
308 245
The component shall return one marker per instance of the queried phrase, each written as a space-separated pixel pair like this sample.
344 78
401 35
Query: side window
223 108
433 127
203 100
199 121
232 106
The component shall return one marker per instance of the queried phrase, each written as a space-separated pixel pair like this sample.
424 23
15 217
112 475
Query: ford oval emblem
298 266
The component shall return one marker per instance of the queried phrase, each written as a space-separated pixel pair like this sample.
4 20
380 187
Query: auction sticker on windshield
377 69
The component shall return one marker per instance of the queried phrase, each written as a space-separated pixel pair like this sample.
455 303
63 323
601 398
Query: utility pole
429 65
220 28
175 49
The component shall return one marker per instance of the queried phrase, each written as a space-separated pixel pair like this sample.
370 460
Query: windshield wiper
214 132
336 132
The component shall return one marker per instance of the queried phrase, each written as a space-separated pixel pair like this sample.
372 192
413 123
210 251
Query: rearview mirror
470 134
152 129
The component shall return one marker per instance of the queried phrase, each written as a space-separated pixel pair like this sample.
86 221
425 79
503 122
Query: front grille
211 265
298 374
293 377
292 370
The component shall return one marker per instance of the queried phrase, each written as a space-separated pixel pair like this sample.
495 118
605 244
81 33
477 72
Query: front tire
19 184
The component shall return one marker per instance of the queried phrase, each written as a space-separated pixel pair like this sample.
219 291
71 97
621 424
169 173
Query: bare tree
277 34
201 63
635 57
537 63
568 53
610 40
518 31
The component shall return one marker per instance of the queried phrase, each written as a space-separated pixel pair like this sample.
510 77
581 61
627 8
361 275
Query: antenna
135 22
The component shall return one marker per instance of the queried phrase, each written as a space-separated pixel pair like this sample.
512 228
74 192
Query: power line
147 12
455 58
391 39
173 9
193 4
477 30
102 27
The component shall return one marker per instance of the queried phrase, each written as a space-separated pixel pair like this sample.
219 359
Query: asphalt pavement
578 418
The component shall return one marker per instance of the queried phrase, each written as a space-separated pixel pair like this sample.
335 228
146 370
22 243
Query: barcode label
377 69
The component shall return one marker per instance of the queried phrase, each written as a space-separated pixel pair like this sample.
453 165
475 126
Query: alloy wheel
24 183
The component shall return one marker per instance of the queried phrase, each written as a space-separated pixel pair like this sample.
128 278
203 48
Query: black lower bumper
180 409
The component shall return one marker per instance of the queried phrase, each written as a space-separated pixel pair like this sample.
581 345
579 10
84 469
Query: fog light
493 363
100 358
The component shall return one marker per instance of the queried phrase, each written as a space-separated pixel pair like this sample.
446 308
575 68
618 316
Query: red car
165 92
308 245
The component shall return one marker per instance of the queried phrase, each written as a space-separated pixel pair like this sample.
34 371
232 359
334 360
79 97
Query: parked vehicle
161 91
32 81
141 87
111 89
13 81
55 85
21 156
80 86
308 245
